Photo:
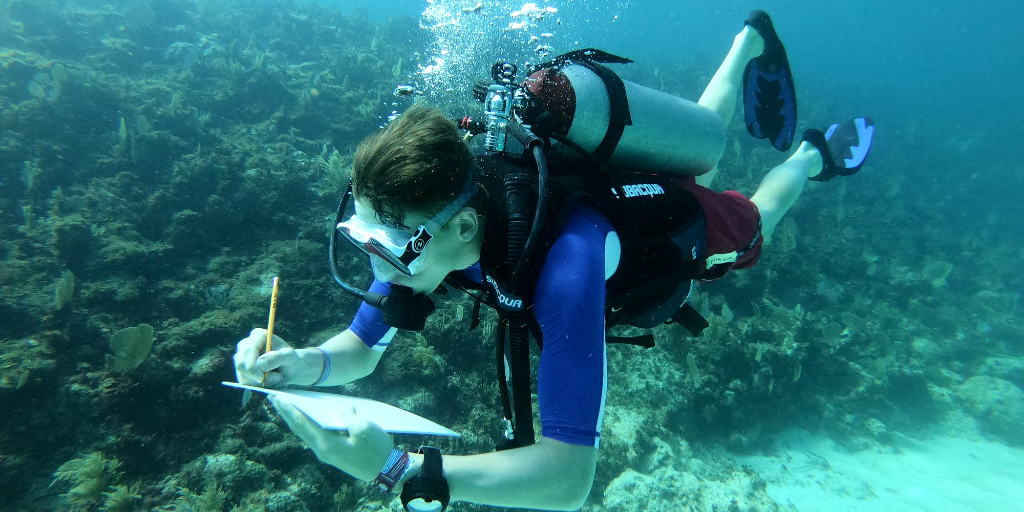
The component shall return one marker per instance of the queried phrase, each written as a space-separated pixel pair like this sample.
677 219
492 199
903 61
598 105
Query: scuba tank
577 101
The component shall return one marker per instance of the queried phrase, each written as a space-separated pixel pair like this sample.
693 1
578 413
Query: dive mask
399 248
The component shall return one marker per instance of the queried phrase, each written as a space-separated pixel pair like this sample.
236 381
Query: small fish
405 91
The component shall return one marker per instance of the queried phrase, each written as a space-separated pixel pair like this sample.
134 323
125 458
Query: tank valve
498 110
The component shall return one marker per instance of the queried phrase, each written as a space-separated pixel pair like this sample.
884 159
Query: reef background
174 155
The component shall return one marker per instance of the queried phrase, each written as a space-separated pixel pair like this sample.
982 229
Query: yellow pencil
270 323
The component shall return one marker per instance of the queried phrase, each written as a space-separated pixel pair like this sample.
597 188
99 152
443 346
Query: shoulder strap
619 116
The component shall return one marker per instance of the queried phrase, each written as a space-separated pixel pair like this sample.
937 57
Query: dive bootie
843 147
769 98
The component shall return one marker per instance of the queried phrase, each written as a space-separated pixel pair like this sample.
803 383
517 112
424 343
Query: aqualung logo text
642 189
505 300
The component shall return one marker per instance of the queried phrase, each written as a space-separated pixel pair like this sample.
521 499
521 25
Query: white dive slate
324 409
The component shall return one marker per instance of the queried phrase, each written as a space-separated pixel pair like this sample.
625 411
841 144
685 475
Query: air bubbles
468 35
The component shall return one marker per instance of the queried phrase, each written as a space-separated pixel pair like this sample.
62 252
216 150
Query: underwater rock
72 240
24 361
285 502
943 398
664 489
183 52
710 486
139 15
665 452
997 404
1009 368
235 474
927 350
876 427
625 436
184 233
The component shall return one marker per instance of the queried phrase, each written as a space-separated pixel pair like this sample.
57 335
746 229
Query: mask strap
448 212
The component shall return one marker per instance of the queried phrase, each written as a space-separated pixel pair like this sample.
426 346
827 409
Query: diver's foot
749 43
769 98
773 52
843 147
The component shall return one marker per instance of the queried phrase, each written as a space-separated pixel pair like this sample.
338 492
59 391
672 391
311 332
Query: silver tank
669 135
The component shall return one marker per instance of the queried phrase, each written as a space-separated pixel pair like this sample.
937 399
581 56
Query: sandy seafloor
811 473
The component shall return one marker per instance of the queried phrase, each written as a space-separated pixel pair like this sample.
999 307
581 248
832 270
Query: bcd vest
661 229
660 226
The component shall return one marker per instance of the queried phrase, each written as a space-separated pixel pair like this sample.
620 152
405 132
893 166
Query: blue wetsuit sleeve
569 305
369 322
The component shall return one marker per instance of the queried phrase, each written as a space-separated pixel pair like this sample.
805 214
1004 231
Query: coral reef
64 290
89 477
130 347
997 404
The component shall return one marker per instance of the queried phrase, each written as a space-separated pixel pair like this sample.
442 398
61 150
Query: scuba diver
589 208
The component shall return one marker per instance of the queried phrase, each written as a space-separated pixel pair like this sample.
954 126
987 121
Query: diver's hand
283 365
361 451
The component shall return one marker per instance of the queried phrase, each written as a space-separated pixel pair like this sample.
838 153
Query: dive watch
427 491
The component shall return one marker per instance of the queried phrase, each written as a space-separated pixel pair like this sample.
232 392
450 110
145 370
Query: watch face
422 505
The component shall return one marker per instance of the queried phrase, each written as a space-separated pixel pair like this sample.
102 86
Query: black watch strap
427 491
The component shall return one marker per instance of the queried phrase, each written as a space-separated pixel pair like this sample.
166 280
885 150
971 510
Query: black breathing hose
519 332
539 213
516 185
374 299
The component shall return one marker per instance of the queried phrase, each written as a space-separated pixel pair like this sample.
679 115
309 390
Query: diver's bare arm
549 475
351 359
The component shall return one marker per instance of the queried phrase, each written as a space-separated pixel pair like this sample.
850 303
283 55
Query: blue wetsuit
569 306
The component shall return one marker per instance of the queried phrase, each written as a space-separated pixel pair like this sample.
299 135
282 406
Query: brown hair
416 163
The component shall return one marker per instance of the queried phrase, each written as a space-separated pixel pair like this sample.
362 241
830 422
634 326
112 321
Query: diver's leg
705 179
781 187
724 89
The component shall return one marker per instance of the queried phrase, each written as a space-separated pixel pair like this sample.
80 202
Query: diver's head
418 211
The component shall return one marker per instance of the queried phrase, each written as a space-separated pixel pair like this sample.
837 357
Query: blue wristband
327 367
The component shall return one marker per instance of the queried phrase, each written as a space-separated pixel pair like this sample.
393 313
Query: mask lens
383 270
381 244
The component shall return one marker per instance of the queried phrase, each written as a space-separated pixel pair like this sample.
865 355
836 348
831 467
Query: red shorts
733 229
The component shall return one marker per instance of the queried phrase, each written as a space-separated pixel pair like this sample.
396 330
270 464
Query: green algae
88 476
